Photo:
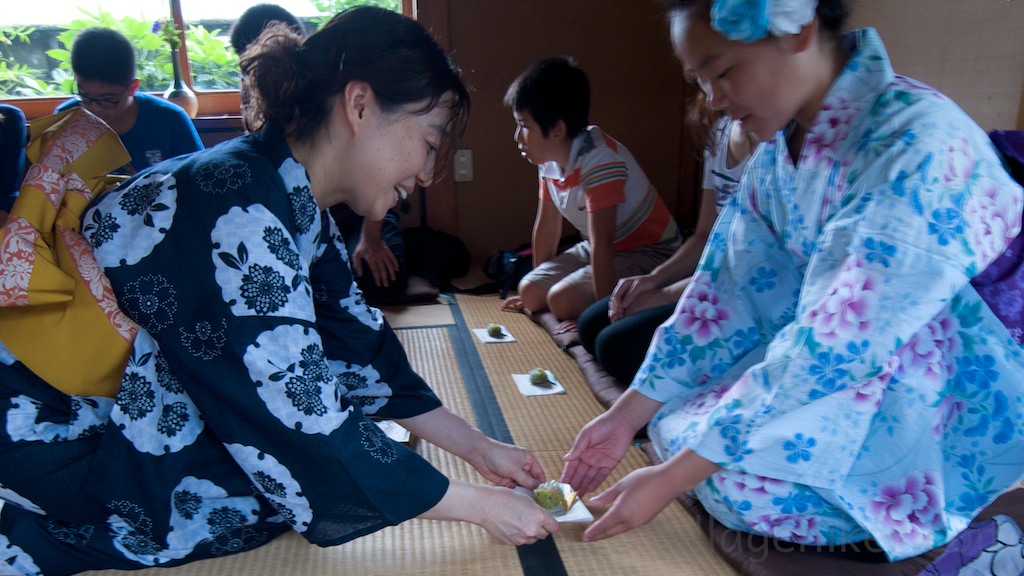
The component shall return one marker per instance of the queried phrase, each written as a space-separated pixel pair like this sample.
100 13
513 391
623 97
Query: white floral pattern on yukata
830 352
243 407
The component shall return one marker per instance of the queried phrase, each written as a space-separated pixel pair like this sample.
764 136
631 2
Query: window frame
212 103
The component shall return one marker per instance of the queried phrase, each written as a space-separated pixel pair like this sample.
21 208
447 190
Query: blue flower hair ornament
750 20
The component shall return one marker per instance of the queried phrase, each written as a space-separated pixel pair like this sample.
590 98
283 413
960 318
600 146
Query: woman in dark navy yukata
244 407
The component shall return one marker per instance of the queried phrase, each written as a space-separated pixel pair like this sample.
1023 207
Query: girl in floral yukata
830 375
243 409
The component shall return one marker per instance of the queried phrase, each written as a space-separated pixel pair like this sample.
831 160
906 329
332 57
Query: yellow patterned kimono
58 314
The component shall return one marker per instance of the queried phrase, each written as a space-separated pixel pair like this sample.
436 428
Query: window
212 62
36 37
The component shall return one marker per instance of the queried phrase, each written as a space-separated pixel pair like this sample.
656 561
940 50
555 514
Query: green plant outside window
214 65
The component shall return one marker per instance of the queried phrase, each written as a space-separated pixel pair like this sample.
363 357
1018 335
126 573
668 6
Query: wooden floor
474 380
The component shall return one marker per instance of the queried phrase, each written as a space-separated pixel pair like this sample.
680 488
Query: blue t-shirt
12 145
162 130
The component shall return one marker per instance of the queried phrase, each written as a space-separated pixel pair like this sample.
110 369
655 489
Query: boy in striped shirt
589 179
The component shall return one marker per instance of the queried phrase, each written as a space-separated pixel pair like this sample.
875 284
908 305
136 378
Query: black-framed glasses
101 103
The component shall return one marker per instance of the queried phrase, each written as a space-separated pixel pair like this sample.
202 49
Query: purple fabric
992 547
1002 283
963 550
1010 144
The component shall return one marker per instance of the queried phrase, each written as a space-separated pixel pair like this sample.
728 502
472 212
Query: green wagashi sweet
538 376
494 331
549 495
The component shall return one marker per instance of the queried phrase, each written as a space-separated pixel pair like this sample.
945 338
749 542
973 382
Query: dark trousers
620 346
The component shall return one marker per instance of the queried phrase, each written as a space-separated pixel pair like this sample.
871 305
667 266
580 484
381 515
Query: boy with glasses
151 128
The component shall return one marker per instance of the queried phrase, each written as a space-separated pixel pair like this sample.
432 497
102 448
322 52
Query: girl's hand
644 492
626 293
634 500
598 449
651 299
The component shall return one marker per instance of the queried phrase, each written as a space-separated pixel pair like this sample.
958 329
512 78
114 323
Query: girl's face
756 83
396 153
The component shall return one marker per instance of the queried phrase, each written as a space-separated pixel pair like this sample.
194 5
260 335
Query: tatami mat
419 315
672 544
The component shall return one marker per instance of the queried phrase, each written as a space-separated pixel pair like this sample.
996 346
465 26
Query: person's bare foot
513 304
565 326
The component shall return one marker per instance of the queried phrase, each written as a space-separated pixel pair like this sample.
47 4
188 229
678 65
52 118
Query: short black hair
551 90
255 19
103 55
294 81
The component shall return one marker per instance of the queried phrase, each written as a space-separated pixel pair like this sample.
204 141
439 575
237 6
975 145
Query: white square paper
526 389
578 512
394 430
482 334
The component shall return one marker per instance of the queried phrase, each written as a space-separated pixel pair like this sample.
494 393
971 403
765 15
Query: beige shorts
573 266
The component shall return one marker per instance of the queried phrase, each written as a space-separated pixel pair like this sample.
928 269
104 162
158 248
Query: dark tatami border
542 558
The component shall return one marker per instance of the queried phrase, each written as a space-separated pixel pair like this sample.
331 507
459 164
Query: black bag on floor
435 255
507 268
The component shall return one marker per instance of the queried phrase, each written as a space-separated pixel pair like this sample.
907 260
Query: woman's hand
510 517
507 465
598 448
498 462
514 518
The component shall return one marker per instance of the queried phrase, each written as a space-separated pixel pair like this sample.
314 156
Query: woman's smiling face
396 153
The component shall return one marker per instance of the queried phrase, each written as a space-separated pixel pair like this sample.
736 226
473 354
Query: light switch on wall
464 165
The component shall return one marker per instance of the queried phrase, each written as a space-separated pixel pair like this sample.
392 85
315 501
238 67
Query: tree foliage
213 63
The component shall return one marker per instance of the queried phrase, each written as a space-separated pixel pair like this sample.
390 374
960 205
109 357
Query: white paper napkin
394 430
578 512
526 389
481 333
